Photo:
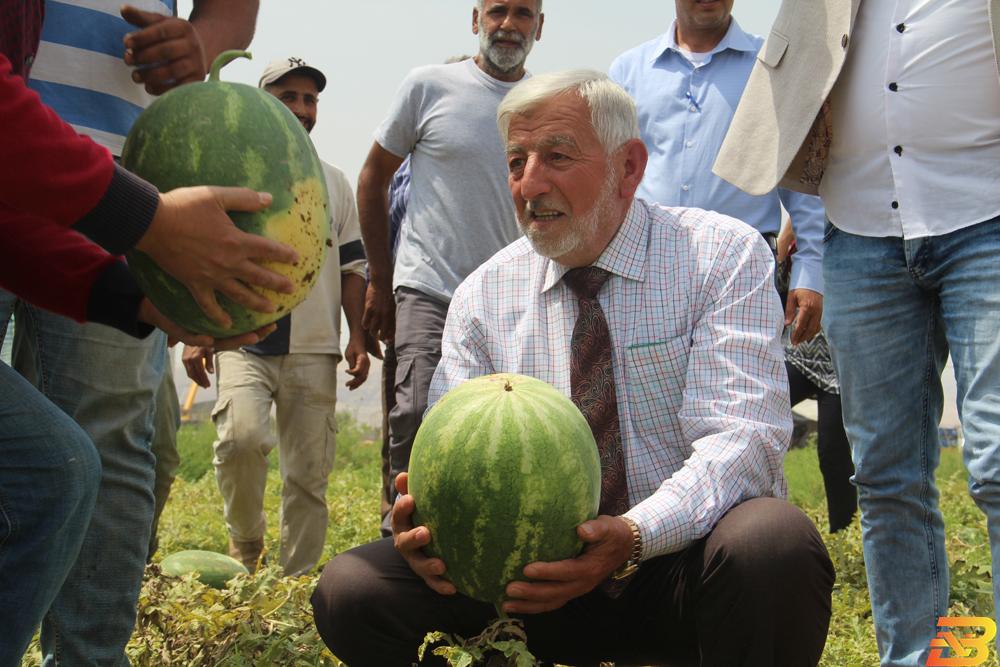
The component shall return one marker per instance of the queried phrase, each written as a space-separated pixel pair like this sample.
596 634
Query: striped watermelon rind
503 469
232 134
213 569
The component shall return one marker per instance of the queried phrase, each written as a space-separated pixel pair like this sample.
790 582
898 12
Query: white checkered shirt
695 325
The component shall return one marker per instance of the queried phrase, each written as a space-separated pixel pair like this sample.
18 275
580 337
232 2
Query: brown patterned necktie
592 384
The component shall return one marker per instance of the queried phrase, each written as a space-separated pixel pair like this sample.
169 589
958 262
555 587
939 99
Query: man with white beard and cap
459 212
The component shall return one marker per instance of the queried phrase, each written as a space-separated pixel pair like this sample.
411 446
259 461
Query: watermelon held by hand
503 470
213 569
232 134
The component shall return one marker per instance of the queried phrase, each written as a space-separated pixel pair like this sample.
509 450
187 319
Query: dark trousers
419 326
755 592
832 447
388 403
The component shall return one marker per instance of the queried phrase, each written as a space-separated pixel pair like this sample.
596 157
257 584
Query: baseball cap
279 68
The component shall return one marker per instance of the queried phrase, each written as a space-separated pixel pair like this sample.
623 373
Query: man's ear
475 20
541 22
632 158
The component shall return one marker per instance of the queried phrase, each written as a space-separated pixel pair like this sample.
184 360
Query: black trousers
388 403
755 592
832 447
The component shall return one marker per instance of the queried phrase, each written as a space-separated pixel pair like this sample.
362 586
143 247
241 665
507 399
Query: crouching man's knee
767 571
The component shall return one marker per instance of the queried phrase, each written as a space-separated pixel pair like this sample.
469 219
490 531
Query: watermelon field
265 619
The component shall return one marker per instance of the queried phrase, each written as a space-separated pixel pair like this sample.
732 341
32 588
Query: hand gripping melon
232 134
503 469
213 569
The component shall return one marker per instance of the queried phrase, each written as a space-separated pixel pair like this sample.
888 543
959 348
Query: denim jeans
49 472
894 309
105 381
164 447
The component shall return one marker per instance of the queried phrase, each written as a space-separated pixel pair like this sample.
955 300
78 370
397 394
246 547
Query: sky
366 47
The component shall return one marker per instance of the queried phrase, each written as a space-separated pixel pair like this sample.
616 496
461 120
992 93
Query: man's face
704 14
299 93
564 188
507 30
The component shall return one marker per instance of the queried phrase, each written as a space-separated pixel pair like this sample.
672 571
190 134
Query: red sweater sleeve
49 170
60 270
48 265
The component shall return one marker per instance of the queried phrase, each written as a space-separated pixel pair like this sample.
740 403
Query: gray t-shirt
460 211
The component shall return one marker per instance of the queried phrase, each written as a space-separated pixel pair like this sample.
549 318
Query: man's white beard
579 230
504 59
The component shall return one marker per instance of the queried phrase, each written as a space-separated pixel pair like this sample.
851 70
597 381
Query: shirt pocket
655 376
774 49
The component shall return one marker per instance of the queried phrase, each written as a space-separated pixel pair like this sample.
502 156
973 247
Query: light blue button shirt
684 113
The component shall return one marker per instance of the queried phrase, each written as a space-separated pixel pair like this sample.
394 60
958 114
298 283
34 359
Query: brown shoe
249 553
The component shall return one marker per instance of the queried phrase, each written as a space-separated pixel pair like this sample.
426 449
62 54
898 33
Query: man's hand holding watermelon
607 546
607 540
410 541
149 314
193 239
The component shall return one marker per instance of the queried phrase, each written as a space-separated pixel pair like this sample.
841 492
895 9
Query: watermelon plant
232 134
504 468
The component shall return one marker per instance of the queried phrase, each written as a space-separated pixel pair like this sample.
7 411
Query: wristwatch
632 564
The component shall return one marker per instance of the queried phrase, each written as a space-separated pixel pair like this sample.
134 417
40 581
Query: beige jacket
781 132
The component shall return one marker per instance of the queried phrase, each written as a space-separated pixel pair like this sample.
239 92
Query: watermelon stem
224 59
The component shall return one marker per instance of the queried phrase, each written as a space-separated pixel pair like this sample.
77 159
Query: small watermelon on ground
232 134
504 468
213 569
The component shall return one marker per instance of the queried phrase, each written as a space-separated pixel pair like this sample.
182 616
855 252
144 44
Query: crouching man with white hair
662 324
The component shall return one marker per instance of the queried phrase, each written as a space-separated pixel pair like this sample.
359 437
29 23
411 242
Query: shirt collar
625 256
735 39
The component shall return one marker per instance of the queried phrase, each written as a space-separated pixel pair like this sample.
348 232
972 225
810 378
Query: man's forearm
224 24
373 214
736 412
352 300
808 221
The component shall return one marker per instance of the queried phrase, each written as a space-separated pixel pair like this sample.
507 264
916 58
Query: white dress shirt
698 365
916 121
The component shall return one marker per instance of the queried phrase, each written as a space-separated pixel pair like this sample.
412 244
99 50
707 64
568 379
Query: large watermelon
213 569
503 470
220 133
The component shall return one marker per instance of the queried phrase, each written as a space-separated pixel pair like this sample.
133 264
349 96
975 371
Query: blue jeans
894 309
49 472
106 381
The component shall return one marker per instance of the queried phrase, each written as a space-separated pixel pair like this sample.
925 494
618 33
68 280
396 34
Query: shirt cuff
122 215
114 301
661 532
806 275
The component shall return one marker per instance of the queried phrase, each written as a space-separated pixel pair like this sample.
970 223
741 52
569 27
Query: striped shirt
695 325
80 72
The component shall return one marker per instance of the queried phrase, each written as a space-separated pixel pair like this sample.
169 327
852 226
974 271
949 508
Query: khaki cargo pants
303 388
